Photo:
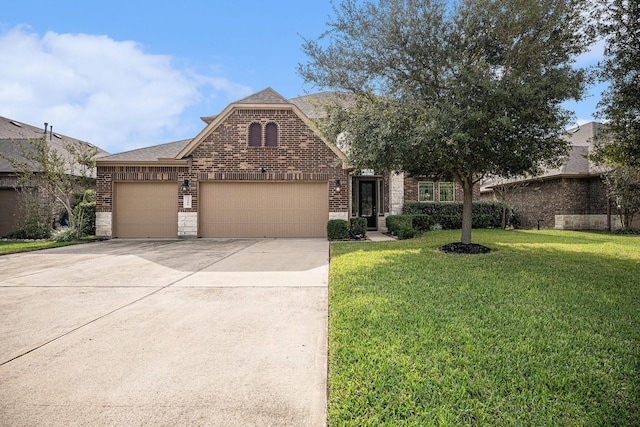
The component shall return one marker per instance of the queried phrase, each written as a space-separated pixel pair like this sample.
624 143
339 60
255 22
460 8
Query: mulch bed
464 248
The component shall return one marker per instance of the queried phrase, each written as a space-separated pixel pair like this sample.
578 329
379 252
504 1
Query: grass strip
11 247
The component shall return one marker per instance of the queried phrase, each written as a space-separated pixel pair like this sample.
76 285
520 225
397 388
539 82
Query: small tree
57 174
623 185
504 191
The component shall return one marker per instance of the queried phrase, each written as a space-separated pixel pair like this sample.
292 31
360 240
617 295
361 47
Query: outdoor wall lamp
338 185
185 185
263 169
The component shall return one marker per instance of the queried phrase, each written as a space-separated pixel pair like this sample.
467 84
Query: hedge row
449 215
339 229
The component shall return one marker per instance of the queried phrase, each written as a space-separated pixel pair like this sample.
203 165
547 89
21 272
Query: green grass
11 247
543 331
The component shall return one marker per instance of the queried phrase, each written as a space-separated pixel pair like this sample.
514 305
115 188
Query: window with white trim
447 192
425 192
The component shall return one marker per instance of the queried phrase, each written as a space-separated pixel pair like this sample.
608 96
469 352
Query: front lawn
544 330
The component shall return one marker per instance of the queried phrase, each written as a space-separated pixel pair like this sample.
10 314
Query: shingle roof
14 133
265 96
163 151
314 105
581 139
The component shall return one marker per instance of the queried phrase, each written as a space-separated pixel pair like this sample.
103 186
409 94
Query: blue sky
128 74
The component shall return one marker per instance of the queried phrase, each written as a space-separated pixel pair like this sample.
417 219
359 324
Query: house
13 134
571 197
260 168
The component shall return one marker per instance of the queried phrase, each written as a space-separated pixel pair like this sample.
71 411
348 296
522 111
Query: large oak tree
452 90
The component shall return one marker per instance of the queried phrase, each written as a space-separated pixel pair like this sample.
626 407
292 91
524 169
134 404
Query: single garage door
263 209
9 198
146 210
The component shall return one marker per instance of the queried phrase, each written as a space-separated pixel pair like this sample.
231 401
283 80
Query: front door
367 203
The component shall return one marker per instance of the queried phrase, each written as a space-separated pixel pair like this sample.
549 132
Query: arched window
255 135
271 135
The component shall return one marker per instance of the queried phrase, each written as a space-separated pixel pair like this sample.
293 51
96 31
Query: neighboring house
260 168
13 134
571 197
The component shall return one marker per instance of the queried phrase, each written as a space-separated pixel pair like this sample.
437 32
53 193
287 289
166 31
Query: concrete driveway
165 333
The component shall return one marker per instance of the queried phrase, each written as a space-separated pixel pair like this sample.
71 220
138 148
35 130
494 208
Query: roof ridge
265 96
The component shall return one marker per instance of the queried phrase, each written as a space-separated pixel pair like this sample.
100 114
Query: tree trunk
504 215
467 207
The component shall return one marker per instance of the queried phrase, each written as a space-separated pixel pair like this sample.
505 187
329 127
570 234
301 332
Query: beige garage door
263 209
145 210
8 204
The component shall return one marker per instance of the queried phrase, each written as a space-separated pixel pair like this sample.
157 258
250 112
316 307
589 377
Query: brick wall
543 200
299 156
225 155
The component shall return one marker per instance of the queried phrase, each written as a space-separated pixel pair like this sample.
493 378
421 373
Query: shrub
359 226
85 214
35 215
65 234
482 221
450 222
422 223
396 222
406 232
630 231
337 229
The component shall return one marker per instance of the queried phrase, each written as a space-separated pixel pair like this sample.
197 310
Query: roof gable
263 100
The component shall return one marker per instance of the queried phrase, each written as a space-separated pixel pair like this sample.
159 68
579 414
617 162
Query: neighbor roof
577 164
14 134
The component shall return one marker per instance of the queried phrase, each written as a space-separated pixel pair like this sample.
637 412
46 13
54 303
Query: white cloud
91 87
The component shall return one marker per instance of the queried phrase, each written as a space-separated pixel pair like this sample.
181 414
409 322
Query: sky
125 74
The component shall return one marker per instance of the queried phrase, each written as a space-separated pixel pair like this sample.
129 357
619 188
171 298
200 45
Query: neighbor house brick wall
543 200
300 155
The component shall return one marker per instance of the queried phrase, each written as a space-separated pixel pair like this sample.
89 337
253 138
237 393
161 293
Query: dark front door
367 202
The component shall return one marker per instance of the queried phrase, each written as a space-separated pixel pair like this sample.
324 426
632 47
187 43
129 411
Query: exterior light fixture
263 169
338 185
185 185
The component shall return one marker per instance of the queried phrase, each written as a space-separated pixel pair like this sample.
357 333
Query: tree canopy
453 90
620 104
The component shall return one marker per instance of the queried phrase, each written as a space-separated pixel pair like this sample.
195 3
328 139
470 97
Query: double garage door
226 209
263 209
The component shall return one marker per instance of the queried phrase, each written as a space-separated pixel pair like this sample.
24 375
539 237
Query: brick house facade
298 162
